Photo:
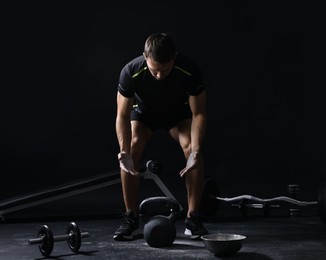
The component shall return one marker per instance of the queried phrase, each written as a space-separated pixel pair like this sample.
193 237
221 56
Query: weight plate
74 241
154 166
47 236
322 202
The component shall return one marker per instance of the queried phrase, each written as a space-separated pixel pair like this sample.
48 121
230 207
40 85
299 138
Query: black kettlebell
159 215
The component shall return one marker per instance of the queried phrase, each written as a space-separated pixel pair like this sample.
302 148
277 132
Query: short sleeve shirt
161 97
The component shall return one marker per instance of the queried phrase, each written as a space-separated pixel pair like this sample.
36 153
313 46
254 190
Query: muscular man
160 89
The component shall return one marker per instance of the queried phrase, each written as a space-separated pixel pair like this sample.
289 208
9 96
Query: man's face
159 70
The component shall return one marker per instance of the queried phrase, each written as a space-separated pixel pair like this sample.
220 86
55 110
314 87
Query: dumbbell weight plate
74 242
153 166
322 202
47 246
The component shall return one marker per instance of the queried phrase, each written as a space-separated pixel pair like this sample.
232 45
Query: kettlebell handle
153 206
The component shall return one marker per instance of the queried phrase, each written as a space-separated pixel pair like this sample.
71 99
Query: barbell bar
211 197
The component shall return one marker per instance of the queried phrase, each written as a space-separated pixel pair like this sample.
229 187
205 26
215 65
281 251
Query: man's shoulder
133 67
136 63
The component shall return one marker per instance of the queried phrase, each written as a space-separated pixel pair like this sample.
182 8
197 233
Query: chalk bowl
221 244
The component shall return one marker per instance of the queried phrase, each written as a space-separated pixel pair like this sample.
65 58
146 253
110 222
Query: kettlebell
159 215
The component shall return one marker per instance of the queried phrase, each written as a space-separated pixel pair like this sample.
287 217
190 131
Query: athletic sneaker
194 227
129 229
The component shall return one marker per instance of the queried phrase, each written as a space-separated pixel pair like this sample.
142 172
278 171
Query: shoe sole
191 236
136 234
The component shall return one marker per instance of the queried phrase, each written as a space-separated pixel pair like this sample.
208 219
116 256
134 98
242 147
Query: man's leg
129 228
194 181
130 183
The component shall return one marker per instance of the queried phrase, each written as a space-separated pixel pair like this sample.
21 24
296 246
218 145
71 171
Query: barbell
211 198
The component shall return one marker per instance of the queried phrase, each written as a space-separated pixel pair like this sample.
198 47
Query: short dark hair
160 47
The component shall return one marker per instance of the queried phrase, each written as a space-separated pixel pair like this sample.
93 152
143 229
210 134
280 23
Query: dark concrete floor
267 238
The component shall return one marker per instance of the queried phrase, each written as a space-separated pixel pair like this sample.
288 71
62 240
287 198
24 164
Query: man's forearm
123 130
198 129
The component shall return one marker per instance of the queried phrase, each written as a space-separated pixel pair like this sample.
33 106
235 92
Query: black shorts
154 121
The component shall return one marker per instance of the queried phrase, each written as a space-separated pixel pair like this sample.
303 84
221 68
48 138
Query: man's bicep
198 103
124 105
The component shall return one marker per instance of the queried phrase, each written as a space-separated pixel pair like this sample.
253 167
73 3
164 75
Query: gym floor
267 237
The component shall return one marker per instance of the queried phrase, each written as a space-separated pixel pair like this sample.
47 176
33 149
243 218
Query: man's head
159 52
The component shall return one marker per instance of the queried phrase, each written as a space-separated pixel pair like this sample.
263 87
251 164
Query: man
160 89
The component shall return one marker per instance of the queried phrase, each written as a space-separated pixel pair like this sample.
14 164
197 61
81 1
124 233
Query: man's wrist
122 154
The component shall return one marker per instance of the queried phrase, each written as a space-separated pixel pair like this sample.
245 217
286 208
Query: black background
262 65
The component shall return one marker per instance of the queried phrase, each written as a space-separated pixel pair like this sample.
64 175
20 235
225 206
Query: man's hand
192 163
126 163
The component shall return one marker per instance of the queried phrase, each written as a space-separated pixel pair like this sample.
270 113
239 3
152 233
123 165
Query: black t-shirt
161 97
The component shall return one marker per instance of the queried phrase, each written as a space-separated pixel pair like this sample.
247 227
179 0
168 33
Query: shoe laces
127 218
195 221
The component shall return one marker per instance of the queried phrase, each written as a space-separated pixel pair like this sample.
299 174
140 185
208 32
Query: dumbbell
46 239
